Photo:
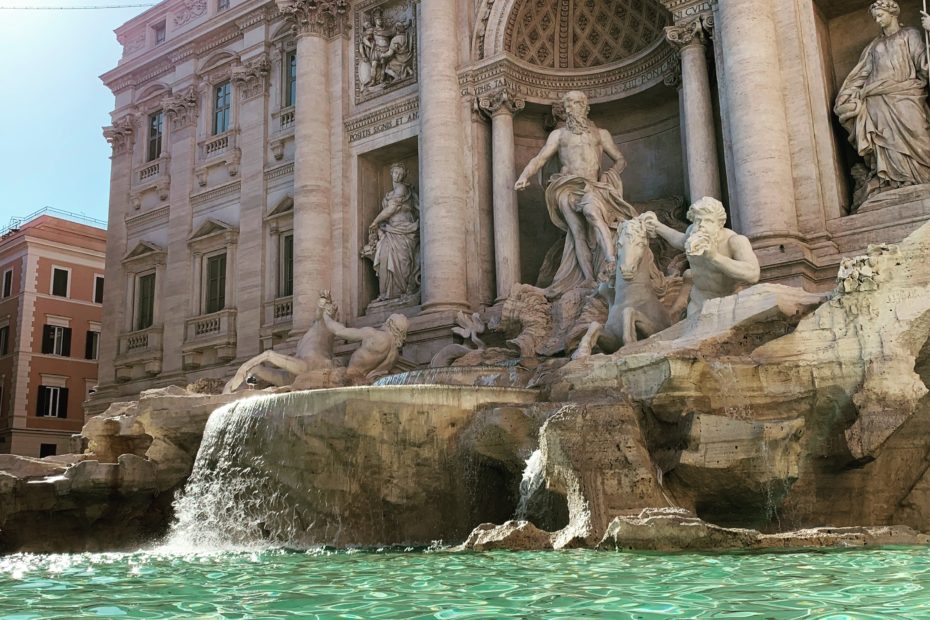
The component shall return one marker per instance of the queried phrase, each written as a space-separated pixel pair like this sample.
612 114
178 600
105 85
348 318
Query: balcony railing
217 146
140 342
286 120
277 312
214 328
151 172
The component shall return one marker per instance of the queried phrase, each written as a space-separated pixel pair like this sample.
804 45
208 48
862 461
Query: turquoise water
881 583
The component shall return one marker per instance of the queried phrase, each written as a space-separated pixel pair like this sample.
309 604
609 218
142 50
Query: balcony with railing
140 349
277 319
210 338
151 173
218 146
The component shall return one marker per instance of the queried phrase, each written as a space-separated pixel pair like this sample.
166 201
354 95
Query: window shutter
66 342
41 397
48 339
62 402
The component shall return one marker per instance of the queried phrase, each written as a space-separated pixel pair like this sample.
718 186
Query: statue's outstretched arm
551 148
340 330
655 227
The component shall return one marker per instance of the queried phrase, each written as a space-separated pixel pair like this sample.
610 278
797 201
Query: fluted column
501 105
316 21
700 143
442 153
761 183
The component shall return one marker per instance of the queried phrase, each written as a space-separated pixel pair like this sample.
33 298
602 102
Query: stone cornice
321 18
537 85
214 194
280 171
393 115
156 63
684 10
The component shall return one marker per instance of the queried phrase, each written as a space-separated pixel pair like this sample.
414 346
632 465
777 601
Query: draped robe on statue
892 128
397 259
607 198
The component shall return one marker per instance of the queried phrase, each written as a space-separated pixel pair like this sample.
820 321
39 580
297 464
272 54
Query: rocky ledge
675 529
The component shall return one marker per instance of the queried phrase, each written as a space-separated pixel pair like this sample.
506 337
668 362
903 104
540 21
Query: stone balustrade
216 146
139 352
210 338
151 172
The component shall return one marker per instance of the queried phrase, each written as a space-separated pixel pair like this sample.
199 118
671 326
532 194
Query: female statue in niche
883 105
394 239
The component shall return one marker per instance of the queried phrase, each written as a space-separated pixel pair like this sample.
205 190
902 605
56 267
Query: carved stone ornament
251 77
385 43
181 108
121 134
322 18
687 34
189 9
673 77
501 101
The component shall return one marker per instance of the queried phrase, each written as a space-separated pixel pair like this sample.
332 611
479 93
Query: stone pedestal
502 105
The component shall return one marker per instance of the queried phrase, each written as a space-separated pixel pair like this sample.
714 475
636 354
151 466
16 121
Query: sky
53 106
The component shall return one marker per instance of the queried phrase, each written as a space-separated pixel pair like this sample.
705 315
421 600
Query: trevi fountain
702 383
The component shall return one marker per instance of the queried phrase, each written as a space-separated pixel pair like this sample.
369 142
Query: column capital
692 33
501 101
181 108
321 18
122 133
251 76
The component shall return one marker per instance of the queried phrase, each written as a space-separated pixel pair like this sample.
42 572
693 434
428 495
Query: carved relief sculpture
582 201
394 240
721 261
385 48
883 105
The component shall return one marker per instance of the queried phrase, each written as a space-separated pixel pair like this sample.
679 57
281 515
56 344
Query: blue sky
52 151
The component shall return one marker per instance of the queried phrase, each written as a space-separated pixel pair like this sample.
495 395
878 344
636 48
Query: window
98 289
286 262
222 5
52 402
156 129
160 33
215 298
290 91
7 282
56 340
221 108
92 345
4 340
145 301
47 449
59 282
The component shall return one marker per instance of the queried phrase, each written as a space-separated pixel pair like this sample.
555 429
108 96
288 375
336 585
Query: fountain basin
478 376
359 466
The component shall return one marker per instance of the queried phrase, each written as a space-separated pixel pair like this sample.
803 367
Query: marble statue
883 104
394 240
584 202
385 51
721 261
642 300
378 350
314 355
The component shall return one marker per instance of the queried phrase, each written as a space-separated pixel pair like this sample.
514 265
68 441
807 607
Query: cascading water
365 466
230 501
533 478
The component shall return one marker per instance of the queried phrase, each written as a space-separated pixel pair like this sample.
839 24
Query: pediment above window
146 255
212 235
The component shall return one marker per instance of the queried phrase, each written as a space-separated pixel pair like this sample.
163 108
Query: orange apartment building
51 294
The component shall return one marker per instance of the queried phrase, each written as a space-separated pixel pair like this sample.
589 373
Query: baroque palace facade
256 142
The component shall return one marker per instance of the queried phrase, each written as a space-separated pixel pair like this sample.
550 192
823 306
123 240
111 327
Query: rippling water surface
881 583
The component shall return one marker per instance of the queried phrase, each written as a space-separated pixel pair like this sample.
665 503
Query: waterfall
533 479
230 501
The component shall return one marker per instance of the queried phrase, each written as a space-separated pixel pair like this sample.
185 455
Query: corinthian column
700 142
501 105
761 183
442 153
316 21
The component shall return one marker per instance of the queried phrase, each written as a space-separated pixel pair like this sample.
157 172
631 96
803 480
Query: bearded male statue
584 202
721 261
